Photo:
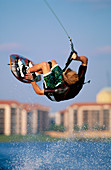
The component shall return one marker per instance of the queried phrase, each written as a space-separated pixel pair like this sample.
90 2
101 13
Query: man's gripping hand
74 55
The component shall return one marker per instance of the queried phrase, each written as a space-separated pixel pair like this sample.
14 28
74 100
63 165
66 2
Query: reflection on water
55 155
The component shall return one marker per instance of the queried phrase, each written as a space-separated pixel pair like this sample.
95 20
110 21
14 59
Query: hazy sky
28 28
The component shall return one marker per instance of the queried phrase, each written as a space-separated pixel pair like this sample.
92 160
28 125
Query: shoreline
47 138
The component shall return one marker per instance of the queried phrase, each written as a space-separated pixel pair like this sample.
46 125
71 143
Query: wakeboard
19 66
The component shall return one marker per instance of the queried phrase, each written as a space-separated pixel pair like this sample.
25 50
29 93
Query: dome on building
104 96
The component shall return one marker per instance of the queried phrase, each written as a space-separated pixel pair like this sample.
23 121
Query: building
88 116
18 118
104 96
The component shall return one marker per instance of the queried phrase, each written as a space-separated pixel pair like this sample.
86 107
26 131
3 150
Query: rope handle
69 60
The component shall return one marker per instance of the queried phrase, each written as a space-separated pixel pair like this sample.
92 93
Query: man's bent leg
41 67
53 62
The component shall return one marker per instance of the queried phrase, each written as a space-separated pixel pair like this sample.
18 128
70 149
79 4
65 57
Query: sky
28 28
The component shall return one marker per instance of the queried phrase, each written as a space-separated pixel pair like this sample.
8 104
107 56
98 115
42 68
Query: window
85 117
76 127
106 119
85 120
75 117
29 126
13 120
20 121
2 121
95 118
42 120
38 121
62 119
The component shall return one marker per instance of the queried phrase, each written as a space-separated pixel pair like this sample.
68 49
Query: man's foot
20 64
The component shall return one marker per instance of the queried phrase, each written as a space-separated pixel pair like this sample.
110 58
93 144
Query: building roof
104 96
84 104
26 106
30 107
9 102
62 111
88 104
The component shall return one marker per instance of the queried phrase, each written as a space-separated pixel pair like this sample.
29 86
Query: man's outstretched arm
83 59
37 89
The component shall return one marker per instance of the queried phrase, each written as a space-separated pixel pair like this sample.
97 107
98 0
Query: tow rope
71 43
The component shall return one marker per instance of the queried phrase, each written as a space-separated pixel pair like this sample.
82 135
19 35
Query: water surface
56 155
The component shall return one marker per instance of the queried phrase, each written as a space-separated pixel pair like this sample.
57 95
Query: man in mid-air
59 85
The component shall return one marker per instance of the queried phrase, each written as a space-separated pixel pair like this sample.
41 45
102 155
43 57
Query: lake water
55 155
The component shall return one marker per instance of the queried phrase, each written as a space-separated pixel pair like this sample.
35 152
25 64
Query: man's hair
70 76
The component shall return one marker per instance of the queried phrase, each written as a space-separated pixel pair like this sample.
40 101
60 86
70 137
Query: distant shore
47 138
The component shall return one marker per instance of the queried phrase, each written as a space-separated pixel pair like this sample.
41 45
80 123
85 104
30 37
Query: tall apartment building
96 115
17 118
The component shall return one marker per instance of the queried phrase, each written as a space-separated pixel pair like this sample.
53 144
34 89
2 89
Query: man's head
70 76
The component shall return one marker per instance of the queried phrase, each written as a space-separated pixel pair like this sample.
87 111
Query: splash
60 155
